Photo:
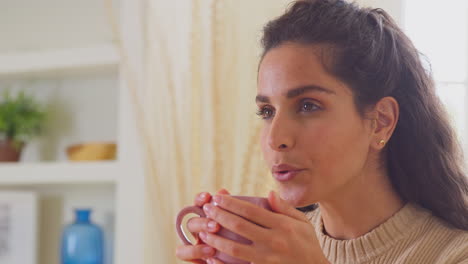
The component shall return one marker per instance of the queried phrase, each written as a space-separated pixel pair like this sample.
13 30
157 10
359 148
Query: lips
285 172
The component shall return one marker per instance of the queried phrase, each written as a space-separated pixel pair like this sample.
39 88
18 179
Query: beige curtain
198 107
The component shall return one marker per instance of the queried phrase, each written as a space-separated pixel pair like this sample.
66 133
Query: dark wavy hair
370 53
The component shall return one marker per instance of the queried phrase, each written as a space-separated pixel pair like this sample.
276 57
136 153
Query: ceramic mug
223 232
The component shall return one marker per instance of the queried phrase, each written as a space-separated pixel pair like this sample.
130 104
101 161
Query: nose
280 134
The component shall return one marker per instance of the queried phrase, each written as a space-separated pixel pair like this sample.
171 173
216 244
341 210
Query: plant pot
8 152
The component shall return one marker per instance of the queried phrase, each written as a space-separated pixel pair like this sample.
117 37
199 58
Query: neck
360 206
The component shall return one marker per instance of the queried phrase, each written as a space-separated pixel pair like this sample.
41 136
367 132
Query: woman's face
310 123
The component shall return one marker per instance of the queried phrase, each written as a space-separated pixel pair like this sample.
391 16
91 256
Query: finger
205 197
194 253
227 246
248 210
214 261
199 224
235 223
281 206
197 261
223 191
202 198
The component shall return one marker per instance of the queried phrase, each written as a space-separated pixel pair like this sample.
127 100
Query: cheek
266 150
339 151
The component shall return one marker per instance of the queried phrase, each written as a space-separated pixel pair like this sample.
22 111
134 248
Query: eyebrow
296 92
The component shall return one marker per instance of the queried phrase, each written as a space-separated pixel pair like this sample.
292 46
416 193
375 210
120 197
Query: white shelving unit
65 51
59 173
72 59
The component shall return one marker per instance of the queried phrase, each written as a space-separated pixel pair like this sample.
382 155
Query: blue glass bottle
82 241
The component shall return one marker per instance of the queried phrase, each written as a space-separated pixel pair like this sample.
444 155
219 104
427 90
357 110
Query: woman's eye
309 107
265 113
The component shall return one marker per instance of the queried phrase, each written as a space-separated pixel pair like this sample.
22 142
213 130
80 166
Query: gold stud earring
382 142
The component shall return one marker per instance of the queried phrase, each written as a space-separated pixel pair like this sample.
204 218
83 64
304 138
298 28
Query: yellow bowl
92 151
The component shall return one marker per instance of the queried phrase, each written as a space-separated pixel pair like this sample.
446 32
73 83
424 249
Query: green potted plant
21 118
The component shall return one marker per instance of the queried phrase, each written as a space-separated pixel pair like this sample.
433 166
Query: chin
296 197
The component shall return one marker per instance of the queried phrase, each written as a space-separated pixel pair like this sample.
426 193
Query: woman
351 124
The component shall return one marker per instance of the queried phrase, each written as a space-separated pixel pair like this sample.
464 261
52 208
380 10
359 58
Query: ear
386 113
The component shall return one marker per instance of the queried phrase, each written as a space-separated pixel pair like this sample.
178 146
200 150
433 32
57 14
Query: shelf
59 173
76 59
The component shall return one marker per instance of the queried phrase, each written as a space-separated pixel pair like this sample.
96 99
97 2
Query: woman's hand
199 252
285 235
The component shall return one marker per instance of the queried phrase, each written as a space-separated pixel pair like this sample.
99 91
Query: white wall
32 25
393 7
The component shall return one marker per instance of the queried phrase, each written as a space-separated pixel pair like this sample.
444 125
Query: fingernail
202 196
202 235
209 261
212 225
217 199
208 251
207 207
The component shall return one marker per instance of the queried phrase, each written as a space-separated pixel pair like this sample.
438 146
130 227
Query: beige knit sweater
411 236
